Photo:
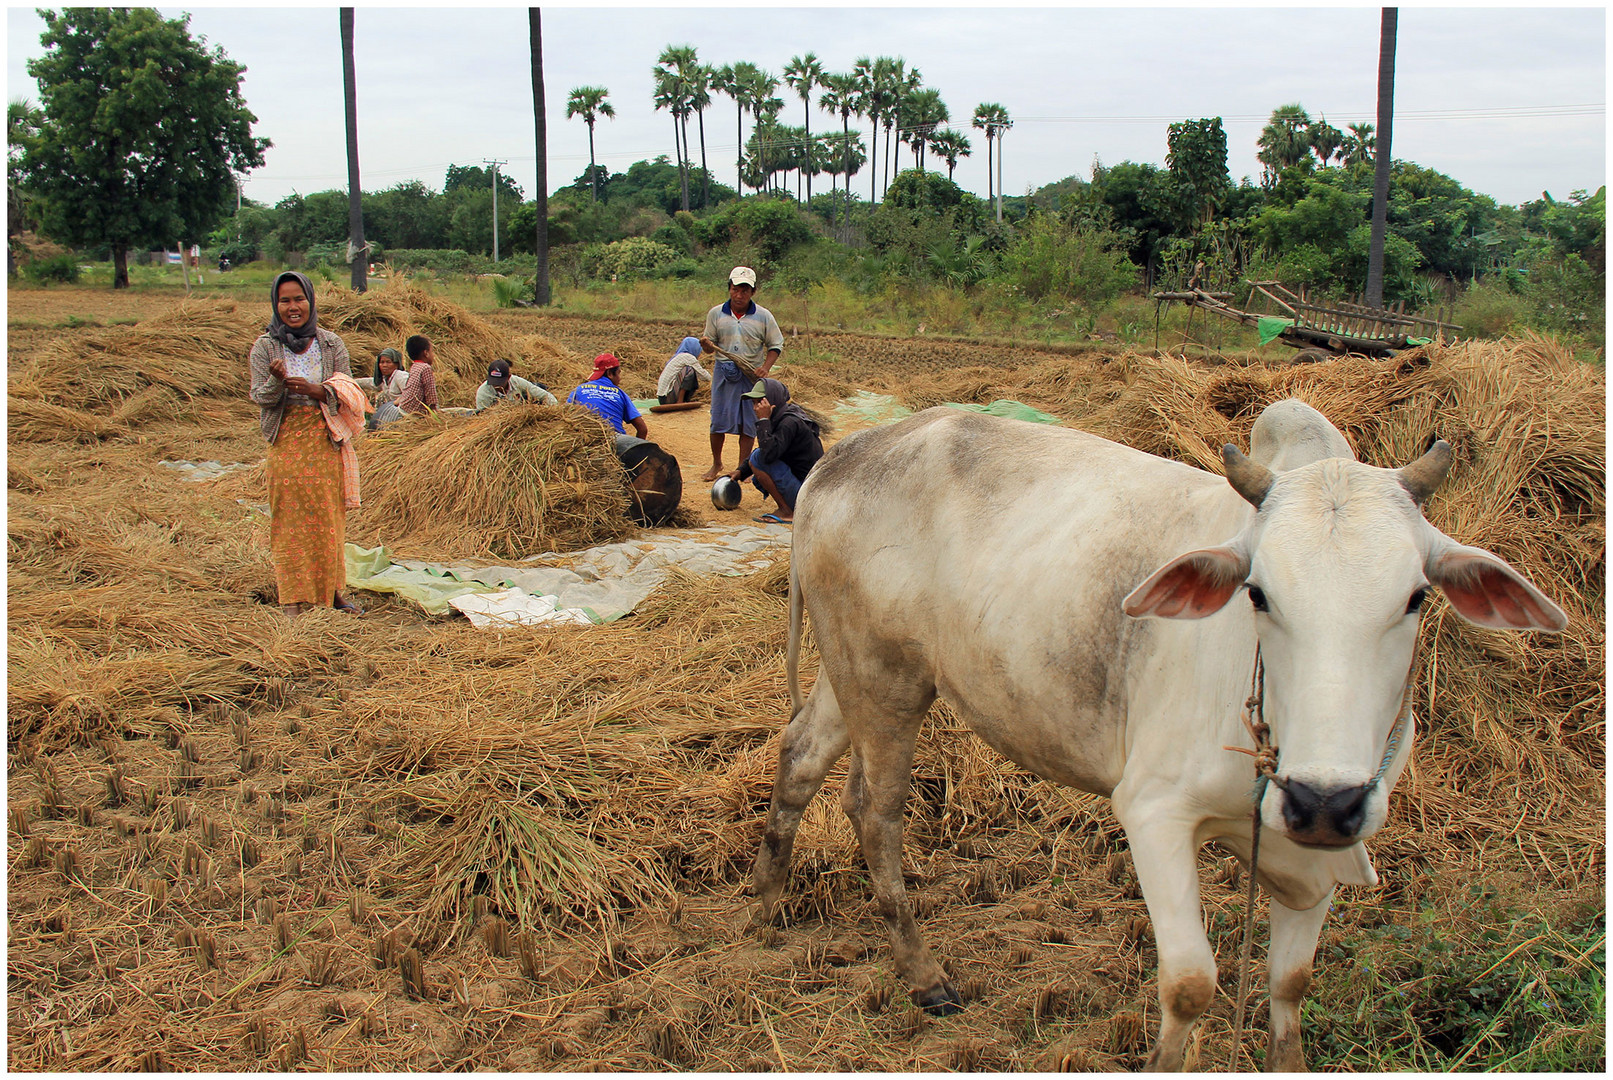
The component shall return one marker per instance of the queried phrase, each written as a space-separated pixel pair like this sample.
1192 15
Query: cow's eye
1416 601
1257 597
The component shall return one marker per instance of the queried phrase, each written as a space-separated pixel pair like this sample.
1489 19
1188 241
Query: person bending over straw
293 369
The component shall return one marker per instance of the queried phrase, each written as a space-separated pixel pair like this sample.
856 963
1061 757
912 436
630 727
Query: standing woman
290 365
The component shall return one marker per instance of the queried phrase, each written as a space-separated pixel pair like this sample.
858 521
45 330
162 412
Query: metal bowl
725 493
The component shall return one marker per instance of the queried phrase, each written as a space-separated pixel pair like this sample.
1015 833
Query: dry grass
401 844
507 483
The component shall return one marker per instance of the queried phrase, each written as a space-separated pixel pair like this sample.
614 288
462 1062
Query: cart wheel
1311 356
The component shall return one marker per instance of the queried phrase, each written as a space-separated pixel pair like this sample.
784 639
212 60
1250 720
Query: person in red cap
602 394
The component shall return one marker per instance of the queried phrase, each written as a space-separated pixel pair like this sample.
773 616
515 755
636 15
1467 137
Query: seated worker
502 386
389 378
602 394
419 394
683 374
789 441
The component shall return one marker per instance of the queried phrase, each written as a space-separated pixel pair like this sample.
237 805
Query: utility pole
495 165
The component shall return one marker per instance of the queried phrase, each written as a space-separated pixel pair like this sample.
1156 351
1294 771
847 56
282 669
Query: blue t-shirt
608 400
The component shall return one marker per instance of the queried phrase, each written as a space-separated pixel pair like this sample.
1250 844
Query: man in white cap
740 326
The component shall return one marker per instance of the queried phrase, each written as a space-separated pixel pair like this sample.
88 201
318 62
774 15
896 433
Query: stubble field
397 843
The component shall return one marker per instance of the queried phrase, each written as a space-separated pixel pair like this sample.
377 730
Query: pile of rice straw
513 481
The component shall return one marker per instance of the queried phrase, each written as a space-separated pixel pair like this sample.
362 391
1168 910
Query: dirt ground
239 844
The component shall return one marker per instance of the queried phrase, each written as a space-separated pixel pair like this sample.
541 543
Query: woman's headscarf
690 345
778 396
296 340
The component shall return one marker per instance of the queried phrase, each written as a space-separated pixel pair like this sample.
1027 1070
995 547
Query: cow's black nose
1324 817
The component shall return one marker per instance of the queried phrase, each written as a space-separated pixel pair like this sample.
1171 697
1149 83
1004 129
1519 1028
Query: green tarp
373 570
1270 326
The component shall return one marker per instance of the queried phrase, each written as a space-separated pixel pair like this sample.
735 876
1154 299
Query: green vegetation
1447 989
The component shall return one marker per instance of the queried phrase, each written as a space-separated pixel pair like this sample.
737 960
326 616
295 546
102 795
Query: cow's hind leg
874 798
812 742
1293 947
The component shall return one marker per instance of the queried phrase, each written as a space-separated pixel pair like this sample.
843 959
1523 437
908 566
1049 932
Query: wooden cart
1323 330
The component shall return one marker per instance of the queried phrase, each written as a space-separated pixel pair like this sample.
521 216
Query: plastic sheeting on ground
202 470
601 584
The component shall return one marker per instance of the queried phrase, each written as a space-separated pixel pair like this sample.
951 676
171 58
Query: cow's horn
1423 476
1249 479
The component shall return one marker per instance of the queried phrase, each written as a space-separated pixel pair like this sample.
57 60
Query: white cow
995 563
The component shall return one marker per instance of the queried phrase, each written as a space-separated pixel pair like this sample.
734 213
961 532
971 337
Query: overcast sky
1510 101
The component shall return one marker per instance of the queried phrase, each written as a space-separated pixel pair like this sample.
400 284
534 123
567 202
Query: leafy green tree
590 103
1069 257
474 178
318 220
407 215
1142 201
804 74
144 130
1197 157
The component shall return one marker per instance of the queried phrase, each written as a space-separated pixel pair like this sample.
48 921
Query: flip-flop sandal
771 519
349 607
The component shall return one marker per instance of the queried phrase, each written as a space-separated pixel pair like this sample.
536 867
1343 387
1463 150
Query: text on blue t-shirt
608 400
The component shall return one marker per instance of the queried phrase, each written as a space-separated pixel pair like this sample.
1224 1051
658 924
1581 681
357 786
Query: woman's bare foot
292 610
715 471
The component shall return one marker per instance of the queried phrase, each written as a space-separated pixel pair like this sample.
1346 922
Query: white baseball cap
742 275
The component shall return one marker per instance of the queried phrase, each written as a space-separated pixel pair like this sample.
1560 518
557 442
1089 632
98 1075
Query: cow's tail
792 651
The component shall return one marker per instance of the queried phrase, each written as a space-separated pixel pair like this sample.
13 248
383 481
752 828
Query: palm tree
950 145
1358 144
730 80
681 69
890 79
868 105
844 96
590 103
805 74
990 118
358 251
764 107
1284 141
23 118
700 101
922 113
540 126
1380 175
1325 139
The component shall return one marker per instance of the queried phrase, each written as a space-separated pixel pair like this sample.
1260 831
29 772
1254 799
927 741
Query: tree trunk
120 266
358 253
184 265
1380 177
683 155
540 279
739 155
999 177
705 173
873 164
806 165
990 182
593 170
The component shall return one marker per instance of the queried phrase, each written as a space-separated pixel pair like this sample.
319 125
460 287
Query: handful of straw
750 373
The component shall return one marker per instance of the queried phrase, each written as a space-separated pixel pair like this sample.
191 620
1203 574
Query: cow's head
1335 565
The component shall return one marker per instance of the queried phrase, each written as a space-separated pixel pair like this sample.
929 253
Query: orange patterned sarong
307 523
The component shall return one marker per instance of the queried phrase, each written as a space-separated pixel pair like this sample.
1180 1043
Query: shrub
628 259
61 268
770 227
1489 309
1077 262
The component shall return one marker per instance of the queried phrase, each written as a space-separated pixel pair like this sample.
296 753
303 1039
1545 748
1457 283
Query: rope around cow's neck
1265 755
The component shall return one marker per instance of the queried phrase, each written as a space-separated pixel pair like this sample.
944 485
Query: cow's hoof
939 1000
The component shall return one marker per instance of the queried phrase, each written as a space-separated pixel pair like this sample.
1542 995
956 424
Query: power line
1499 113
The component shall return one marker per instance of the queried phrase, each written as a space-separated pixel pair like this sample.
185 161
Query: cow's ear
1487 592
1190 586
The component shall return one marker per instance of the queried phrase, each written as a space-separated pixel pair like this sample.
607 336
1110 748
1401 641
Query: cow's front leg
1166 858
1288 973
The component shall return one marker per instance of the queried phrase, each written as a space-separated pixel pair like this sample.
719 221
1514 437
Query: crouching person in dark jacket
789 441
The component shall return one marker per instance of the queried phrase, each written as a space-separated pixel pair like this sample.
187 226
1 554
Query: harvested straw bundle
197 350
40 421
514 481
